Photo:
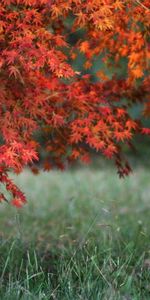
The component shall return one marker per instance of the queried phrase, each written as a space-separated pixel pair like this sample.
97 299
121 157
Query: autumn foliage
40 91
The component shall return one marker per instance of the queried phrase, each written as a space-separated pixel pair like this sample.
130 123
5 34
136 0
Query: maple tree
40 91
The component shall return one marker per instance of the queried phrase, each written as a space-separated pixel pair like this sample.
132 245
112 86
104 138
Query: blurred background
84 233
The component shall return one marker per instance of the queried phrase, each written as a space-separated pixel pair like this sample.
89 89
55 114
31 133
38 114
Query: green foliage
89 238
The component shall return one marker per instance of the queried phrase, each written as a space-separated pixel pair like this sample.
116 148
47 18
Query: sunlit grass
84 234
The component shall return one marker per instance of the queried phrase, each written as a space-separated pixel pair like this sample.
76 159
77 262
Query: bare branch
141 4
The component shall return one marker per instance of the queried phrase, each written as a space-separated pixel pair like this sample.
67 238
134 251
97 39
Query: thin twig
141 4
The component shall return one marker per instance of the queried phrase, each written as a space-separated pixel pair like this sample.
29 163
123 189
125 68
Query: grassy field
84 234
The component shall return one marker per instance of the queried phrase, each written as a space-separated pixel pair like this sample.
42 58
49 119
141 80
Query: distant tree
41 91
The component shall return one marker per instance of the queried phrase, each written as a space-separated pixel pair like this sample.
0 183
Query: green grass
84 234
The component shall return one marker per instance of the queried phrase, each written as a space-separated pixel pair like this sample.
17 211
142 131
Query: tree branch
141 4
